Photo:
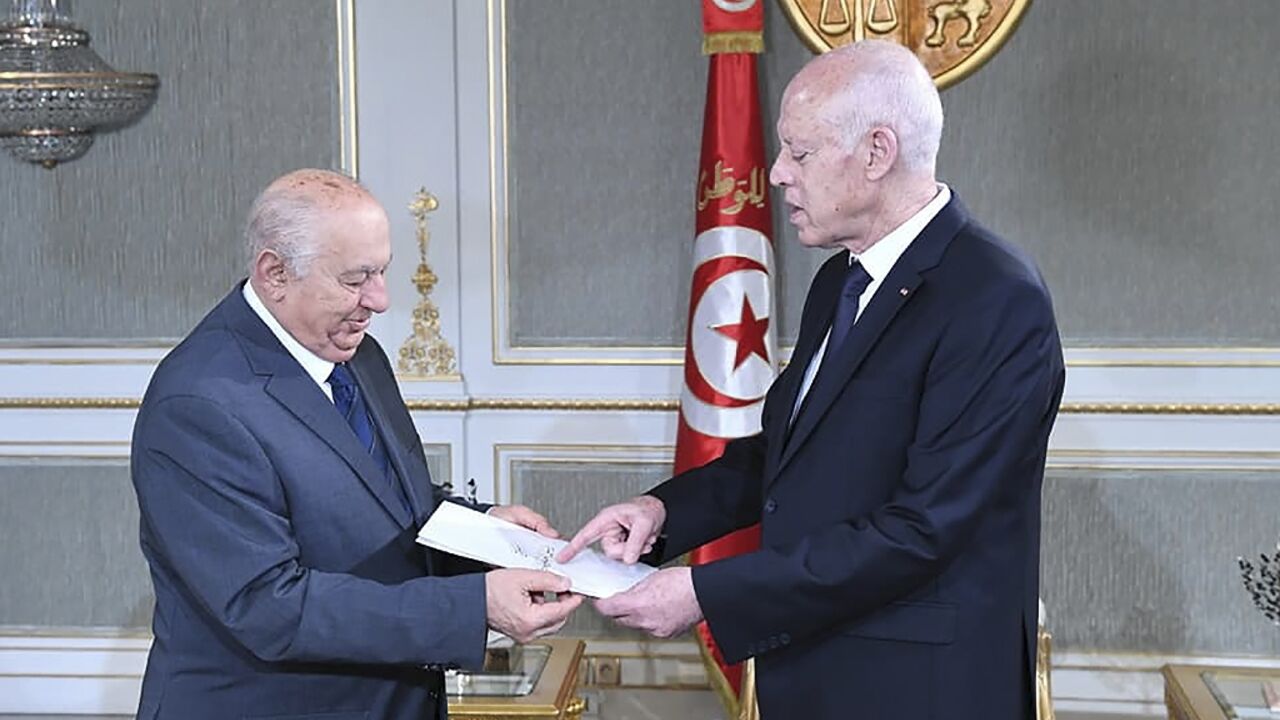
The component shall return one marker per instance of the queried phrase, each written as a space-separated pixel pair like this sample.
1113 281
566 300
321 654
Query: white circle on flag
732 240
719 421
715 353
734 6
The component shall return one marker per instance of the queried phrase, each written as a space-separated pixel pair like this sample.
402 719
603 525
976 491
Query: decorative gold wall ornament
425 353
55 91
952 38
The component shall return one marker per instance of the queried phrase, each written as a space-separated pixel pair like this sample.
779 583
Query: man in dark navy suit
898 473
281 483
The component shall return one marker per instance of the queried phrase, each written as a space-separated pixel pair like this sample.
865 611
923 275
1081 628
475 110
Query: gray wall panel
69 550
1133 158
1146 561
140 237
604 107
570 494
1132 151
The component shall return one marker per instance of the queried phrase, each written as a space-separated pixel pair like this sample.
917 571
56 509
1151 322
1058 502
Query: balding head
875 83
319 248
288 216
859 132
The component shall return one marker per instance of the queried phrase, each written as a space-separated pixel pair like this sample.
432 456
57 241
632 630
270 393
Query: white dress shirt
315 366
877 260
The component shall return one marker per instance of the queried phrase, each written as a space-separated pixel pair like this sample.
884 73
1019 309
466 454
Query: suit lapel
377 400
837 369
813 324
897 289
290 386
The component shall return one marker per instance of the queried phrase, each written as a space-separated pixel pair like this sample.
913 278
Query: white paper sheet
464 532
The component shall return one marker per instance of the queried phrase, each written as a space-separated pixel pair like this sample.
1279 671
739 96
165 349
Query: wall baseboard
97 675
1126 683
71 675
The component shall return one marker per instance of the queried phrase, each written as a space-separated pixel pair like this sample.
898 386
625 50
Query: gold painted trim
58 77
574 405
69 403
495 45
784 350
79 361
1170 409
348 147
1176 460
461 405
410 377
661 405
76 80
65 344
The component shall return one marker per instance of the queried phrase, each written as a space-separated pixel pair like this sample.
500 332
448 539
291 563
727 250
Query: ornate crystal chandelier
55 92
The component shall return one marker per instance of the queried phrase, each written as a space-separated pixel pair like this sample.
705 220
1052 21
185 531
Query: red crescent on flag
703 277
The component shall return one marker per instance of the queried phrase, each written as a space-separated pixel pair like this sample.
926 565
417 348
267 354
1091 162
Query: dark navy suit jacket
287 581
900 514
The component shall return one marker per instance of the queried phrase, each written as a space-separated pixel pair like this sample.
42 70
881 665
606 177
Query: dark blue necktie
856 281
350 404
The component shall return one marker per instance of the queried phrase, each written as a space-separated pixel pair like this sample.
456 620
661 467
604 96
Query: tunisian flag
731 354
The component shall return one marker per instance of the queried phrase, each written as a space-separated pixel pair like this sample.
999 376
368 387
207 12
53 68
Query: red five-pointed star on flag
748 333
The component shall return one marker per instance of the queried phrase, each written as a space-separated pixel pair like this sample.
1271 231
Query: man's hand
625 531
663 604
524 517
515 607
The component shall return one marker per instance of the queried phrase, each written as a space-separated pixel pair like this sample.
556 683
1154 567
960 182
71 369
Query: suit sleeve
713 500
991 393
216 516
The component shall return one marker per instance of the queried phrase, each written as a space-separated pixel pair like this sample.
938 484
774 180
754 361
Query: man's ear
882 151
270 273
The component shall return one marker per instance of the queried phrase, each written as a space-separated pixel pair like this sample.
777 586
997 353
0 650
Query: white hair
286 224
886 85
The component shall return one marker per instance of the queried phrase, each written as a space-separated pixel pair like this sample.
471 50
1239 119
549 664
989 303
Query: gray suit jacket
287 581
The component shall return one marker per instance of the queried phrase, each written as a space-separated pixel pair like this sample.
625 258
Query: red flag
731 353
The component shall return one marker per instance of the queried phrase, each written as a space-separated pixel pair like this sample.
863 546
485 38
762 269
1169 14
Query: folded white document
464 532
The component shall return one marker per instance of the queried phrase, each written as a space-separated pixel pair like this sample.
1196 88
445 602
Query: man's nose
779 174
375 294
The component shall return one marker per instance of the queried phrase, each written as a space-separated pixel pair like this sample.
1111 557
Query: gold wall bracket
425 353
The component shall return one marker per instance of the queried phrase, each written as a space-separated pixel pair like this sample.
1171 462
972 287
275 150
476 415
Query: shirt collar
315 366
880 258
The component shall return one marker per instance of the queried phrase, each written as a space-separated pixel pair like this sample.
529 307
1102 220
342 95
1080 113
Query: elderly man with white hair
281 484
898 474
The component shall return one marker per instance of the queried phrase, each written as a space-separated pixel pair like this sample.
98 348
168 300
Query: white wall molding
80 675
102 675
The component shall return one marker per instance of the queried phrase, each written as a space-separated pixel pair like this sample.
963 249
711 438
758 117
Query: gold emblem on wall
952 38
425 353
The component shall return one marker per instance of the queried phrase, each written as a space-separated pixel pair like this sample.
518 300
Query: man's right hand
625 531
515 606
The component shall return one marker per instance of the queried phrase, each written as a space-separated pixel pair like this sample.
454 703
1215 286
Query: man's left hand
524 517
663 604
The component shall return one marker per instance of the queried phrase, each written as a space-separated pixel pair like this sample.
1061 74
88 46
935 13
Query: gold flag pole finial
425 353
